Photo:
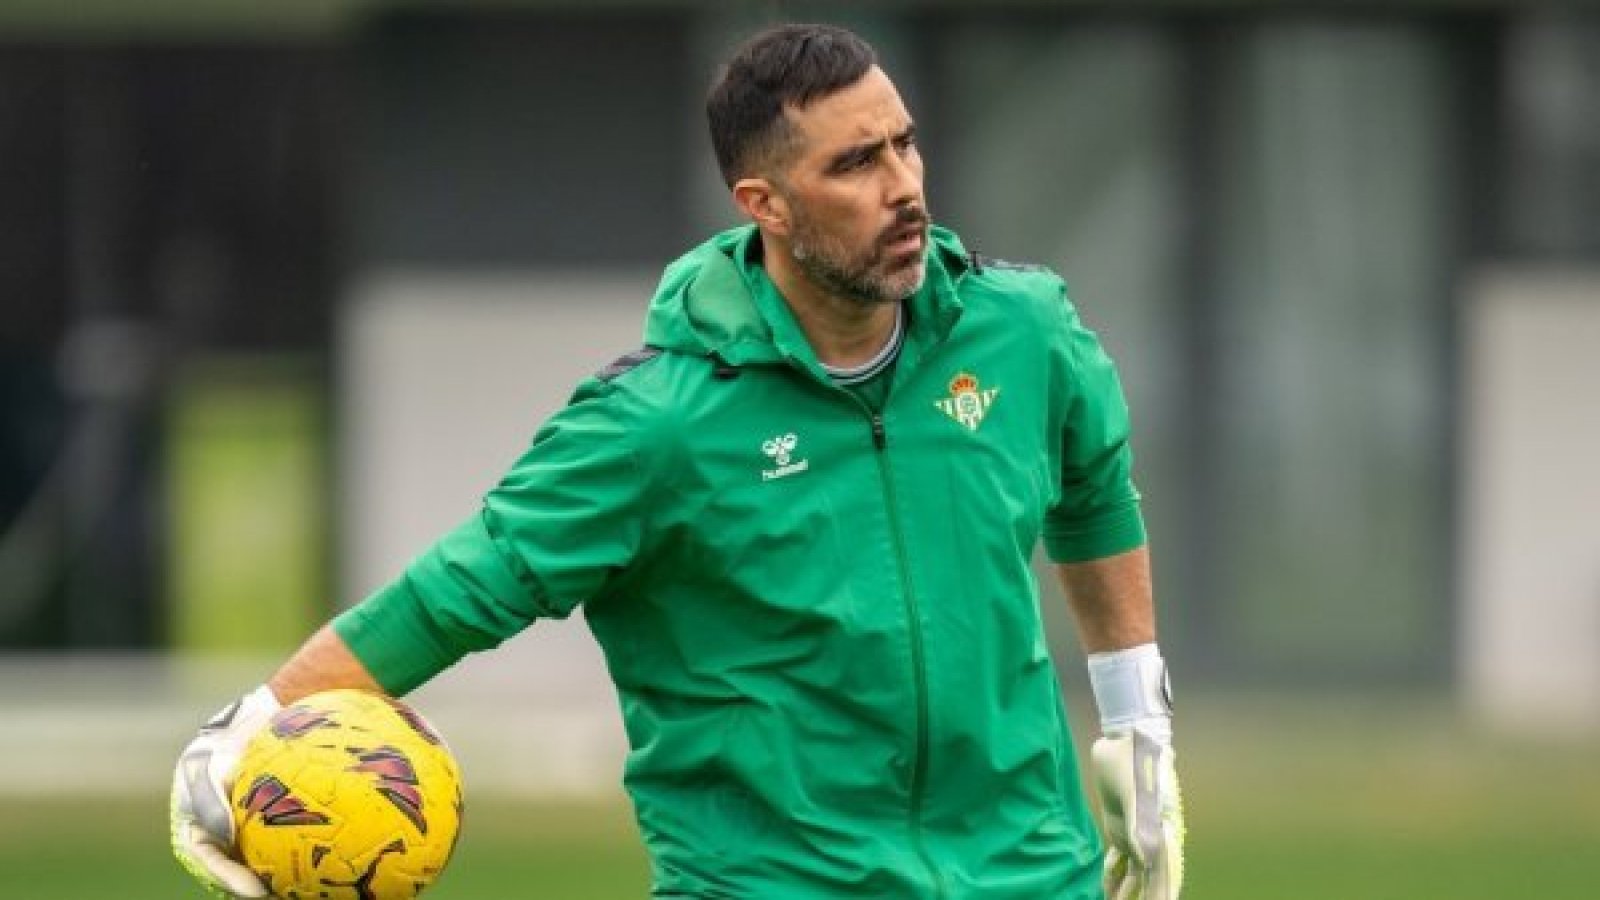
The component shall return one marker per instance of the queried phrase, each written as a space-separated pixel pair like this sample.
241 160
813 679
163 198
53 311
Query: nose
904 174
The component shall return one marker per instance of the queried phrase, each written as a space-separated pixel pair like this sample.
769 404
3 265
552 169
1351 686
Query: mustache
904 217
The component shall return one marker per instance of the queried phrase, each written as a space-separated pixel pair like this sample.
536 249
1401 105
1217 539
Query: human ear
759 199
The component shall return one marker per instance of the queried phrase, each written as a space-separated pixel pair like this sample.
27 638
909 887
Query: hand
1137 782
202 821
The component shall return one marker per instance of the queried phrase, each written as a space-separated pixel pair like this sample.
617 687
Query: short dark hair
781 66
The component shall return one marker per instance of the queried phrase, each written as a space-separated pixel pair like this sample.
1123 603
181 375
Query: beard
865 278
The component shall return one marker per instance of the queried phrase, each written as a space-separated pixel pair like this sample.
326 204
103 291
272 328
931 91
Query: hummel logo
781 451
779 448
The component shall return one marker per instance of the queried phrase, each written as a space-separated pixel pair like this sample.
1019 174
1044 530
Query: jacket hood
718 300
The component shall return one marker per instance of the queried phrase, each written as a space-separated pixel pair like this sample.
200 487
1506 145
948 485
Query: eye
855 163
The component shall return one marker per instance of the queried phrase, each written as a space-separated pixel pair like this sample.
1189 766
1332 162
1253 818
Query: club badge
968 402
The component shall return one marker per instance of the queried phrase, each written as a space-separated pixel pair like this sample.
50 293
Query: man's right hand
202 821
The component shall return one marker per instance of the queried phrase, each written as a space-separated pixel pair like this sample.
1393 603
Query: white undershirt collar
868 370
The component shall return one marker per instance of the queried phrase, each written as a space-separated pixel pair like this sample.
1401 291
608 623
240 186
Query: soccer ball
347 794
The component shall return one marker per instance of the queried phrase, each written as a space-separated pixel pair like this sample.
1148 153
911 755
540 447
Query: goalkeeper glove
1135 776
202 822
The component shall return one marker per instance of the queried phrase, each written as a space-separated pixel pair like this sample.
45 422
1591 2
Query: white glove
1135 776
202 821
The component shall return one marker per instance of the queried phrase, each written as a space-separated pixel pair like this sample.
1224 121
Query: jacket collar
718 300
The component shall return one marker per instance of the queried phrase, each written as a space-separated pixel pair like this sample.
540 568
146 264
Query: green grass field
1324 805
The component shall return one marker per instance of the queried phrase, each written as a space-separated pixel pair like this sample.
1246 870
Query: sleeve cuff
1113 531
387 632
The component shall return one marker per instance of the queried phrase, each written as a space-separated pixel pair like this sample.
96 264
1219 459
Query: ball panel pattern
347 794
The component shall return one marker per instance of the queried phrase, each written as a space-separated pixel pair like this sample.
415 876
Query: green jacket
821 620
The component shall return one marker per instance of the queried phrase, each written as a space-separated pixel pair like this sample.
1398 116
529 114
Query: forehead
868 110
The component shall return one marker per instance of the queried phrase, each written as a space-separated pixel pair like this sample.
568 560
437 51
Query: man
800 522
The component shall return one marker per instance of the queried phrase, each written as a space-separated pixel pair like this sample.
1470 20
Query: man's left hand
1137 782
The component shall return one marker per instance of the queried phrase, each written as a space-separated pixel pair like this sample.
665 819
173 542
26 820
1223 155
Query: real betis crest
968 402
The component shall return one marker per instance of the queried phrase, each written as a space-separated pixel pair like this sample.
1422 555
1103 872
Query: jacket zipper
919 667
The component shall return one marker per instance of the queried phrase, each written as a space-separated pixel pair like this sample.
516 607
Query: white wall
1530 638
446 376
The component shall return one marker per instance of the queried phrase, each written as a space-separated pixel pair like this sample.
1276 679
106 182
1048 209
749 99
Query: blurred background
284 287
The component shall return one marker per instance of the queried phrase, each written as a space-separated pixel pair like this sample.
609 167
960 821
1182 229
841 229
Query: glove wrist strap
1131 689
251 709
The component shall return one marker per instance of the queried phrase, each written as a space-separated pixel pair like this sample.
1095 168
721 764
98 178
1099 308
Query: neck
842 333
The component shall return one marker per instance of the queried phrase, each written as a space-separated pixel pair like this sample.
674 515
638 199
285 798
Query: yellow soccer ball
347 794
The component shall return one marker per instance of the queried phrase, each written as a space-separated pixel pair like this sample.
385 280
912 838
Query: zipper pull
880 438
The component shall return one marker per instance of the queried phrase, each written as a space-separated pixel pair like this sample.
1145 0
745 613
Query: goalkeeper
800 522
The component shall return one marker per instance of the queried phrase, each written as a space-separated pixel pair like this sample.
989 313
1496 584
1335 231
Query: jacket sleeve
561 525
1097 512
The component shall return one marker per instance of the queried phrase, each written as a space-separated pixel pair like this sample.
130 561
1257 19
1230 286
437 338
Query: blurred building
1273 212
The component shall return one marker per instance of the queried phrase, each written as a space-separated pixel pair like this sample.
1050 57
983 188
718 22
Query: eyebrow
861 152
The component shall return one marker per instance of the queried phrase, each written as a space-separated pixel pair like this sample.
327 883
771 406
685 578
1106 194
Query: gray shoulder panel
622 365
981 262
